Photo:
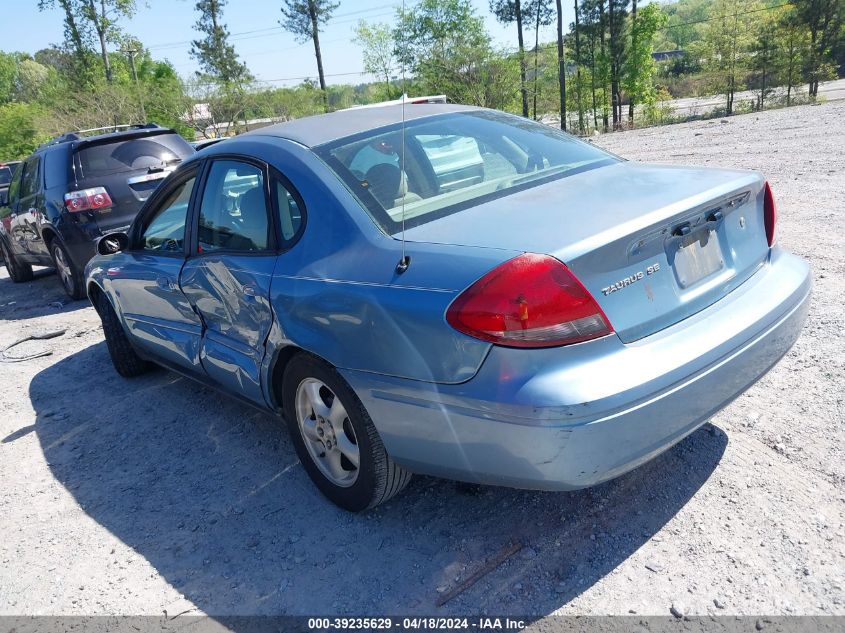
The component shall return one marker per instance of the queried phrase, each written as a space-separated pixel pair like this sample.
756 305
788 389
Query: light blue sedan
469 295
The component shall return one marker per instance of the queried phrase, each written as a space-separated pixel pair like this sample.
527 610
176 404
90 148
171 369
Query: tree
824 19
303 19
561 68
76 40
640 68
578 63
213 52
616 11
379 51
792 51
540 12
19 130
764 54
508 12
727 44
444 45
102 16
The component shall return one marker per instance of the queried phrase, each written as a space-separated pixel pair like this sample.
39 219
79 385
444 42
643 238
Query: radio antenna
403 264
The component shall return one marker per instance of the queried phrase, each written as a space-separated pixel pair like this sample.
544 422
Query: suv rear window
132 154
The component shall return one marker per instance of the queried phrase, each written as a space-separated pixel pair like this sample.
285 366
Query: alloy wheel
327 432
63 268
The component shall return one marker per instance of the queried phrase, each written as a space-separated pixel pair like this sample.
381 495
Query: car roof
316 130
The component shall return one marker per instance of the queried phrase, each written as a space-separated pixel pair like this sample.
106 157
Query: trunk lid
653 244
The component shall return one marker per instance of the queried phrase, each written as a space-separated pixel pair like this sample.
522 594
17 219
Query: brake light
529 301
769 214
87 199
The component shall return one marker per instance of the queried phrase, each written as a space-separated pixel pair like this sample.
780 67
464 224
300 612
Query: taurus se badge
630 279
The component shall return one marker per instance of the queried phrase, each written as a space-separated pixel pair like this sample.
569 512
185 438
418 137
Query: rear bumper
576 416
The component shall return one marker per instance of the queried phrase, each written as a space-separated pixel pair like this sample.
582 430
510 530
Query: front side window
452 162
165 230
233 215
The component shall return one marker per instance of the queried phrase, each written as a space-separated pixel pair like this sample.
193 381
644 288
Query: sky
272 55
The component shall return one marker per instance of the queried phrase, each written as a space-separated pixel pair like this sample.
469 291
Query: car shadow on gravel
42 296
210 493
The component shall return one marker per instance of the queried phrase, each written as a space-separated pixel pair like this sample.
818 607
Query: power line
275 30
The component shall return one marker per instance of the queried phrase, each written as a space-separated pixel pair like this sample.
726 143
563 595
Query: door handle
166 283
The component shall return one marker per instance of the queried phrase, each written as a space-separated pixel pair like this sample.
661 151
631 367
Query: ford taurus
464 294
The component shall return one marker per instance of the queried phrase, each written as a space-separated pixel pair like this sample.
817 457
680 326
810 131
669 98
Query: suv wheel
18 271
68 274
123 356
335 438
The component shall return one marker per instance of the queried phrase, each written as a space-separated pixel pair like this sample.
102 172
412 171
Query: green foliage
444 44
19 130
379 52
303 17
640 69
213 52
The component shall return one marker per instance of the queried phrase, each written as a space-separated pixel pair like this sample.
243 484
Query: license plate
699 256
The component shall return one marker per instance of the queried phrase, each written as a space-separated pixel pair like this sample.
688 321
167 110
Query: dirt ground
157 495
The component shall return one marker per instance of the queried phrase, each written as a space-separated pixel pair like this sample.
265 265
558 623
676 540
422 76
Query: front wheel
68 274
124 358
335 438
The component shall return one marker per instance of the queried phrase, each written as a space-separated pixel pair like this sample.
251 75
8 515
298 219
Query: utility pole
131 52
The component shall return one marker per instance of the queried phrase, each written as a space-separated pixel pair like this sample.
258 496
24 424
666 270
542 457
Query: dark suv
75 189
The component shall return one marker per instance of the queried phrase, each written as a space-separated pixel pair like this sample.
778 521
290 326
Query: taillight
87 199
769 214
529 301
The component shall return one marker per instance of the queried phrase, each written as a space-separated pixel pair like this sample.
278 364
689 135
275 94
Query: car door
227 275
158 316
29 203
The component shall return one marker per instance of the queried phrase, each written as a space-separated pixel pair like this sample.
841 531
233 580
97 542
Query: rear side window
56 168
290 214
5 176
233 215
133 154
29 182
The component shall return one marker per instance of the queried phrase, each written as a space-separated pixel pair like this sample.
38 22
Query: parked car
7 170
77 188
554 325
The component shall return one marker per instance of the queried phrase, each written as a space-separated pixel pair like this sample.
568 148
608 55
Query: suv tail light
529 301
87 199
769 214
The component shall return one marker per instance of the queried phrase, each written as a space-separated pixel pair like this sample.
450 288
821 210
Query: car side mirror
112 243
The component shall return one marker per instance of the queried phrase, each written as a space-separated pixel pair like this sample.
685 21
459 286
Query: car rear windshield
453 162
122 155
5 176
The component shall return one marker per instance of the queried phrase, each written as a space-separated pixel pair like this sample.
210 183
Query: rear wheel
335 438
18 271
68 273
124 358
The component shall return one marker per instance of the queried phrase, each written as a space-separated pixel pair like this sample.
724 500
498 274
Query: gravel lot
158 495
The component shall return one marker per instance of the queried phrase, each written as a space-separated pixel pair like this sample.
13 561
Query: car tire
69 275
123 356
18 271
327 435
